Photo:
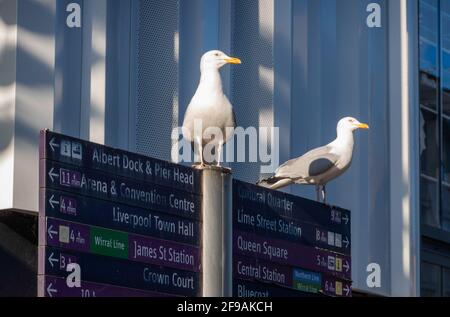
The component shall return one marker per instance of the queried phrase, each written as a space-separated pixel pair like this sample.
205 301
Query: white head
216 59
349 124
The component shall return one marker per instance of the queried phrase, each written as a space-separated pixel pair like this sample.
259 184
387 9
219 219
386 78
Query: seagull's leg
324 194
219 153
200 147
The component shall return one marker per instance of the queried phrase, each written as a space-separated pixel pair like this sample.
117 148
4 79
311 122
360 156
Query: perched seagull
210 106
320 165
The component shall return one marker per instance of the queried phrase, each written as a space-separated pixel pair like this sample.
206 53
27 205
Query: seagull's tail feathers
275 182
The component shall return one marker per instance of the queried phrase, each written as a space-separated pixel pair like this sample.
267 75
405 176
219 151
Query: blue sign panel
102 213
271 203
272 225
95 184
65 149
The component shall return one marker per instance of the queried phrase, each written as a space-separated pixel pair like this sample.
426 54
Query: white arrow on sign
50 232
51 259
53 144
347 290
346 266
346 242
346 219
51 174
51 201
50 290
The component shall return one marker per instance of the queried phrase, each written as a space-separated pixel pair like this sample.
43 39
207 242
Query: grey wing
313 163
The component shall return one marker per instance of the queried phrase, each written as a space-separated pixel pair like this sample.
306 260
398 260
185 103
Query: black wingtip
268 181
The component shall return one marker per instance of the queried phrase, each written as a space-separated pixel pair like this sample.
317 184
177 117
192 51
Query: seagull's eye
217 54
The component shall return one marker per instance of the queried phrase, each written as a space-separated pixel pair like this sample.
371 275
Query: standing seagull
320 165
209 105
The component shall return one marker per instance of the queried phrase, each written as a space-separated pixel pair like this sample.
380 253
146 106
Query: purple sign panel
78 237
253 269
64 234
119 272
336 288
164 253
249 289
50 286
292 254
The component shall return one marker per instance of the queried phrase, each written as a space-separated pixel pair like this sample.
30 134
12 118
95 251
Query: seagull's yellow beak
233 60
362 126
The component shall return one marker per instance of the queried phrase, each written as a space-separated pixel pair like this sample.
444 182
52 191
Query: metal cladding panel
253 81
340 68
155 76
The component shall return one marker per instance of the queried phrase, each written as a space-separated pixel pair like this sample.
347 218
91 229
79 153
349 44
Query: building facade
434 29
122 73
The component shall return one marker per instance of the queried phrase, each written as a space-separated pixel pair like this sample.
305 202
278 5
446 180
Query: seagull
321 165
209 106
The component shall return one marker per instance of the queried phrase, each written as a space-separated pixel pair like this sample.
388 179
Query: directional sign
50 286
315 282
119 272
248 289
65 149
270 224
253 269
289 253
131 222
78 237
291 242
254 198
300 275
102 213
52 260
334 287
53 176
118 189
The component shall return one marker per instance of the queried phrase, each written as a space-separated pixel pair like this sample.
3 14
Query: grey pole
217 236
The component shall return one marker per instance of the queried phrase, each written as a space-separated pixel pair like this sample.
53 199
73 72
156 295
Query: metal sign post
217 232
